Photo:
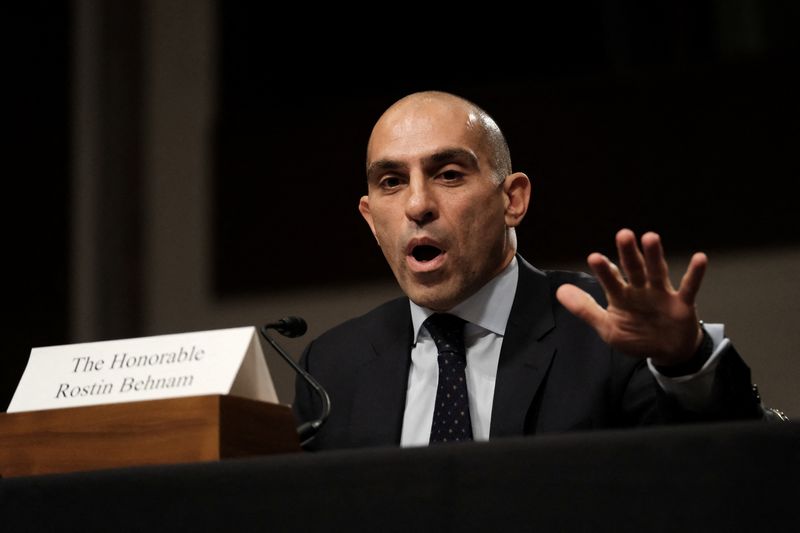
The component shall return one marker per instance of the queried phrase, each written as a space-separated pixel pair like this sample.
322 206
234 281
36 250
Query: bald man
544 351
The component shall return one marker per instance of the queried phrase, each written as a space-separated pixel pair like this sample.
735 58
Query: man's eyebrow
440 158
452 155
382 165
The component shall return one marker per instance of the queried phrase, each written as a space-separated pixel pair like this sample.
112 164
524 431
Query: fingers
631 258
607 274
690 283
581 304
657 269
645 267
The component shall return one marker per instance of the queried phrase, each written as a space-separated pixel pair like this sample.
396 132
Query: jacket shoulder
374 322
581 280
555 278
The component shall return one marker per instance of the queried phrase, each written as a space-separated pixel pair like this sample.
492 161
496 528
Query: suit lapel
526 353
379 401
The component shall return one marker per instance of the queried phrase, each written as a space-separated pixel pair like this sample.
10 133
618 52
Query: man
545 351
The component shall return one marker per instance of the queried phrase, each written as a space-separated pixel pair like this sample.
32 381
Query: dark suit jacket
554 374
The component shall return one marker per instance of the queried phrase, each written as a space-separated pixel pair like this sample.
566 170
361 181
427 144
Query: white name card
224 361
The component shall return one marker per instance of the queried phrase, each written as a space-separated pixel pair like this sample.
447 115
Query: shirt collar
488 308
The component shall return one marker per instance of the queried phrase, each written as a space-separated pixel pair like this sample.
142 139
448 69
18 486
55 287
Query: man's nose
421 206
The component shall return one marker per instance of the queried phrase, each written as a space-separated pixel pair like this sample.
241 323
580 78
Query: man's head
442 201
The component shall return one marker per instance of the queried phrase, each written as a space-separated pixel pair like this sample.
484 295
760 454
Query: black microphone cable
294 326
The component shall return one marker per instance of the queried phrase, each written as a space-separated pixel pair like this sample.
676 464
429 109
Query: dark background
678 116
651 115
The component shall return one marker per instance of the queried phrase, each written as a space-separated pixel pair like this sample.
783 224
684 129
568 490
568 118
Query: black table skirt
718 477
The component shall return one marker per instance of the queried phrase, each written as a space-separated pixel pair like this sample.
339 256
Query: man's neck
489 307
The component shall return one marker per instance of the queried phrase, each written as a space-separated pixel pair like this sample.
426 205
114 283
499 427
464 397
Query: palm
646 316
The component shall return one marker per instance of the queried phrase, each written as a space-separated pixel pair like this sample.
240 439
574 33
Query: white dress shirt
486 313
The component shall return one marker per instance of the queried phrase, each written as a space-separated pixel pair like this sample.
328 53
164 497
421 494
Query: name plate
224 361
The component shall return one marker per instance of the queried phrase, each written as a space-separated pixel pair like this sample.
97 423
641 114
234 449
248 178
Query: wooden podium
179 430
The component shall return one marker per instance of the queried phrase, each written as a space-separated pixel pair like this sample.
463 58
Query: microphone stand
306 430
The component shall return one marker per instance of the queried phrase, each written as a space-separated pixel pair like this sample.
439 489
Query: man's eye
451 175
390 182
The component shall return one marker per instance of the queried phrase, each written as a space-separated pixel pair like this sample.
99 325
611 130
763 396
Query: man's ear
363 208
517 188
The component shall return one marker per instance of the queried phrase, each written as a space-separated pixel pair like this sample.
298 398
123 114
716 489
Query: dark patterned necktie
451 422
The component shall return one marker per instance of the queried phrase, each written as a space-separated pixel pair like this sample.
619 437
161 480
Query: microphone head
290 326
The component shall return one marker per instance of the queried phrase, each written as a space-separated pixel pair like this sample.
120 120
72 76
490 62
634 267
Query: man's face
434 204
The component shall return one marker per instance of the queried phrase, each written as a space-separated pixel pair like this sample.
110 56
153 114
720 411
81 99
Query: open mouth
425 252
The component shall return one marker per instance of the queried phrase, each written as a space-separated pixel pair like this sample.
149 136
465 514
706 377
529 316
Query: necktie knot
447 331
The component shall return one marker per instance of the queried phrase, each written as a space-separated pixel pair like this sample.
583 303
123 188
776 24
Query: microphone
290 326
294 326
